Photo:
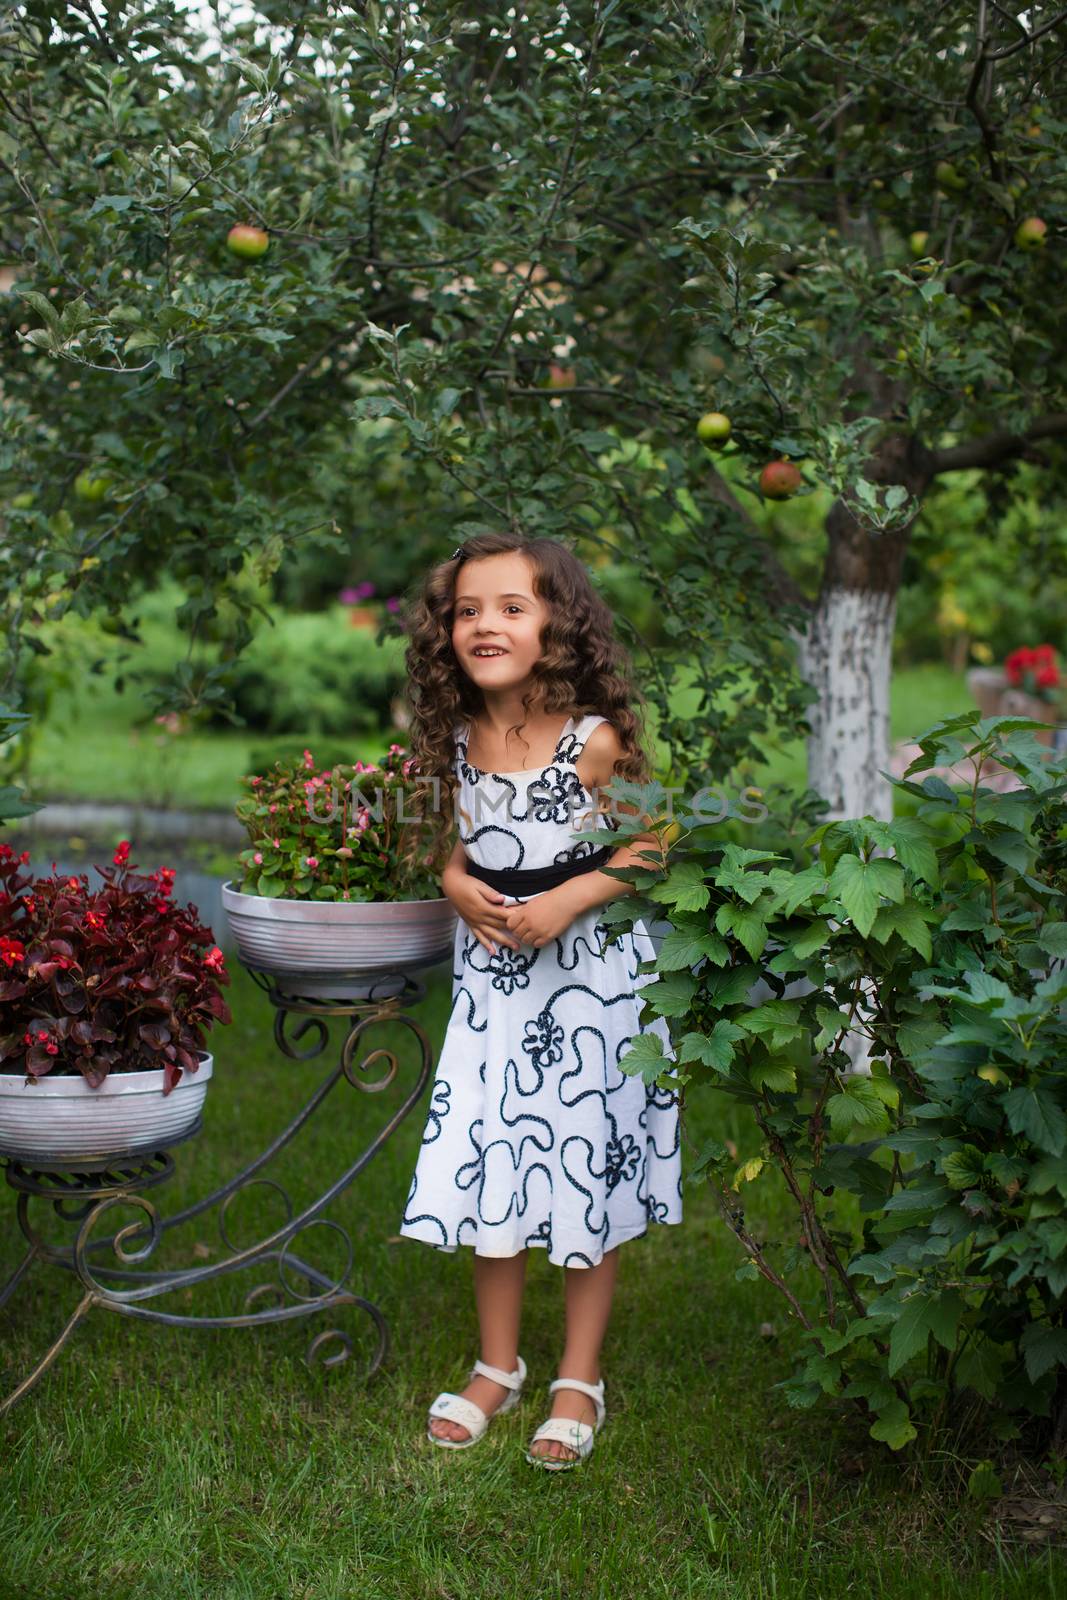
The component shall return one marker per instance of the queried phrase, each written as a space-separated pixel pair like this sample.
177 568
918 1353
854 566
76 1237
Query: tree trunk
847 657
847 652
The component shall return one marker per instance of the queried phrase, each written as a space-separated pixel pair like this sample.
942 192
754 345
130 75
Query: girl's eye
510 607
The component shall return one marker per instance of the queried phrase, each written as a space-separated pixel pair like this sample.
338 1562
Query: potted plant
107 995
328 902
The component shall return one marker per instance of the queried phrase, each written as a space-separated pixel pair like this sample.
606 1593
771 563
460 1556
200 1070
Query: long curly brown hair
583 668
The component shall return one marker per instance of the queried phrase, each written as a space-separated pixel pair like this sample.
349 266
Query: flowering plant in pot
334 896
107 995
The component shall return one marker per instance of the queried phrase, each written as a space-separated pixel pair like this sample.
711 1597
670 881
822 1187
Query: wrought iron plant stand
83 1192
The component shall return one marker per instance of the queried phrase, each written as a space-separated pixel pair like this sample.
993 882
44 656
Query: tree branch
993 448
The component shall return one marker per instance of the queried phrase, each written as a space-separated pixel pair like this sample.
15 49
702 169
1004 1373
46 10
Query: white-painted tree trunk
847 657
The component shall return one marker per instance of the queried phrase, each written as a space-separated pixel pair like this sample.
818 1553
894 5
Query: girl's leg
589 1292
498 1286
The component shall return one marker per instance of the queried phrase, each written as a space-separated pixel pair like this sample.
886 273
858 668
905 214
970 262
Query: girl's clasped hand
535 922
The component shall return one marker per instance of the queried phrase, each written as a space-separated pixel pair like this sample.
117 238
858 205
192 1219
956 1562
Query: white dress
534 1137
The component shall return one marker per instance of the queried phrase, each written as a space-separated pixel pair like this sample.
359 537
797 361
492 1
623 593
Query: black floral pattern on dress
510 969
623 1159
544 1040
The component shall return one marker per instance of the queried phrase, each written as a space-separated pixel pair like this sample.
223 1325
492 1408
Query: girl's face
495 606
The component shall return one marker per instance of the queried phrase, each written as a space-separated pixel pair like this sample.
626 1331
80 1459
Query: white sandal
567 1430
456 1408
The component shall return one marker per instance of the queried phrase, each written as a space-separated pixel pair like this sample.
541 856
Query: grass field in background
215 1466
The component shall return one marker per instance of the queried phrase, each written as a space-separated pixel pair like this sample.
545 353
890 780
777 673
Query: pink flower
309 759
271 810
258 858
215 959
256 782
277 844
311 861
392 604
122 854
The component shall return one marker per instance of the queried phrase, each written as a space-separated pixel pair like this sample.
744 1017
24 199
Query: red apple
779 480
561 377
247 242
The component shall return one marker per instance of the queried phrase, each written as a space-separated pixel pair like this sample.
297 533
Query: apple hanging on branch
779 480
90 486
1030 234
714 428
247 242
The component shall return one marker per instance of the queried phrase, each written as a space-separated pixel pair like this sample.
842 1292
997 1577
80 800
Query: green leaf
858 884
793 889
1053 938
921 1316
908 922
964 1169
672 995
747 925
684 947
714 1049
894 1426
914 844
1033 1112
645 1056
774 1075
729 987
813 938
684 888
983 1483
1043 1348
778 1018
860 1105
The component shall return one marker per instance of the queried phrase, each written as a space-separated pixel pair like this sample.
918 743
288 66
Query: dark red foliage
118 977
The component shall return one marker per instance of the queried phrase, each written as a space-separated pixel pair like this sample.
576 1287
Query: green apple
91 487
948 177
917 242
23 501
1030 234
714 427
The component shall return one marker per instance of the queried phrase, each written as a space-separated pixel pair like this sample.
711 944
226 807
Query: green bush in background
315 674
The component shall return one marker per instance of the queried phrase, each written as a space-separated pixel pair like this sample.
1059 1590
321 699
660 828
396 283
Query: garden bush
316 674
930 1191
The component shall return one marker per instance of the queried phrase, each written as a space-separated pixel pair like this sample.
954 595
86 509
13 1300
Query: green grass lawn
215 1466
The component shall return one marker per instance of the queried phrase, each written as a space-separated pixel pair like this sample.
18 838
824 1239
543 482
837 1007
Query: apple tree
526 249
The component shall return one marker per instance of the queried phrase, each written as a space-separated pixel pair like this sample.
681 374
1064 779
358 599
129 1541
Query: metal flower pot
61 1118
339 950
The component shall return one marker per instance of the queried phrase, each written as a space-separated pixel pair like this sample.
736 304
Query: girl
534 1137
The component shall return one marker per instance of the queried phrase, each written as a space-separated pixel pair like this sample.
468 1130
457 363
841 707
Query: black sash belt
533 880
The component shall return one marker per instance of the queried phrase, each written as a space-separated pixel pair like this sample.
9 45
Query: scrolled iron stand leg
84 1192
